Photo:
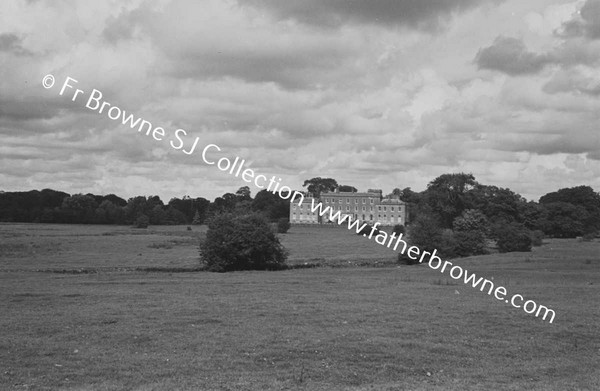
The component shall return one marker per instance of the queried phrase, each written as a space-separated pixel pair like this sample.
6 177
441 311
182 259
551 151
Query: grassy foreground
77 316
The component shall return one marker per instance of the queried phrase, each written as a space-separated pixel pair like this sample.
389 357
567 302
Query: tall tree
347 188
447 196
319 185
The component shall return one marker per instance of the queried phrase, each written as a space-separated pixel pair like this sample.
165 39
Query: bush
470 243
470 230
513 237
142 221
243 242
283 225
426 234
398 229
537 237
589 237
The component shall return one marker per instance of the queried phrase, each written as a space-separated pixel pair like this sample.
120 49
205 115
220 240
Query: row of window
364 200
379 208
308 216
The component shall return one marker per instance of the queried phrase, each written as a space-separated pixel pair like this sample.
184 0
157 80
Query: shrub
283 225
513 237
537 237
243 242
398 229
588 237
142 221
470 229
426 234
470 243
471 220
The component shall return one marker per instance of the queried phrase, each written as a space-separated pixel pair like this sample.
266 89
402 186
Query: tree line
51 206
450 202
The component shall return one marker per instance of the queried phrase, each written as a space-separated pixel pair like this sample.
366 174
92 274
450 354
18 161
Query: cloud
586 23
509 55
582 80
422 15
366 92
12 43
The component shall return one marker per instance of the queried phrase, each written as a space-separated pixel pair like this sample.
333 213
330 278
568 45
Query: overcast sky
376 94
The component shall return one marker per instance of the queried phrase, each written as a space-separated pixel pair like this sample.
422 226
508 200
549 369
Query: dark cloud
509 55
587 24
13 44
290 69
21 109
419 14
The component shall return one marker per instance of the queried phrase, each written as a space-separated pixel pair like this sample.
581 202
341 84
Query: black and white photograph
328 195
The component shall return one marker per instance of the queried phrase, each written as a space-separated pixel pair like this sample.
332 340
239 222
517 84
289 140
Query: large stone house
368 206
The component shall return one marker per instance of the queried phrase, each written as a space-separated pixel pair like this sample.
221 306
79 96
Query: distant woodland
565 213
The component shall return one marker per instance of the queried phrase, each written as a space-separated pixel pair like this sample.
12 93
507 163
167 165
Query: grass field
78 313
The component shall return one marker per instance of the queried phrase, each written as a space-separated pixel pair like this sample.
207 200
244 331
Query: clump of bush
588 237
283 225
513 237
470 230
537 238
241 242
142 221
399 229
426 234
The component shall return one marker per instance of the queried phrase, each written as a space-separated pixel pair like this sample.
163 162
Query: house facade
369 206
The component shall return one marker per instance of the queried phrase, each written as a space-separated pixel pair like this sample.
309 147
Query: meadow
116 308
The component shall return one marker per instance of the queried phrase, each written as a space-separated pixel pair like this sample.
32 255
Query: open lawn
79 314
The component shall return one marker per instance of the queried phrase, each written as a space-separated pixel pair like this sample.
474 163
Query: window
356 200
347 208
340 200
347 200
370 199
370 217
392 208
385 208
356 208
364 201
364 208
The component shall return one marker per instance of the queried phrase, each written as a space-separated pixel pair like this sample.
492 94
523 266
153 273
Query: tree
564 220
498 204
447 196
347 188
271 205
135 206
586 202
399 229
283 225
158 216
197 220
142 221
426 234
241 243
470 230
79 208
319 185
243 194
513 237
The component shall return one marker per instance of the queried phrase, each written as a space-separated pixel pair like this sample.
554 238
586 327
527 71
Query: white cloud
384 103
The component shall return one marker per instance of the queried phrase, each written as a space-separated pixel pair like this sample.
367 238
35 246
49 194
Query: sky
376 94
